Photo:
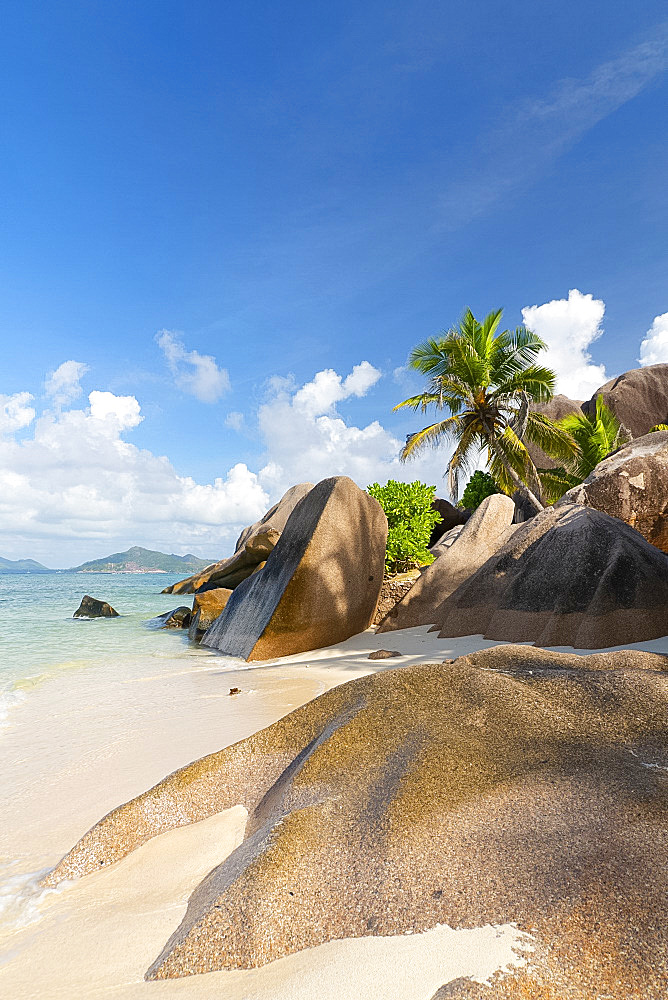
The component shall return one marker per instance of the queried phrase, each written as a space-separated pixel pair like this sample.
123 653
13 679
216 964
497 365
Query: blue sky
290 190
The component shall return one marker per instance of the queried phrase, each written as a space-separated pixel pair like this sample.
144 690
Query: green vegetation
22 566
658 427
411 519
139 560
479 486
487 379
595 437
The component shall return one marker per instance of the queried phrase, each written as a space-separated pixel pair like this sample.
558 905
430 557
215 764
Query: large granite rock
206 608
451 516
91 607
481 536
632 484
638 398
511 785
253 546
572 576
392 591
320 584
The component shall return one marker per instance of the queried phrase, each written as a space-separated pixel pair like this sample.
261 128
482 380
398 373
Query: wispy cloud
539 130
195 373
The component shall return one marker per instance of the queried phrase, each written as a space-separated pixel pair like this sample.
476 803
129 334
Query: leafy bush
479 486
411 519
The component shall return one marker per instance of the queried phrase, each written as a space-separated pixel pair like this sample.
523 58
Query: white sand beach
96 937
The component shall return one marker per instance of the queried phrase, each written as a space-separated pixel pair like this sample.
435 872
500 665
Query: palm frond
432 436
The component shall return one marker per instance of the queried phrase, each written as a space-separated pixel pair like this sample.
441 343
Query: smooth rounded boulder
206 608
572 576
638 398
481 536
320 584
513 785
631 484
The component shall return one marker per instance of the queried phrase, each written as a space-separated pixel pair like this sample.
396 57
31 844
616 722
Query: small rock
234 691
383 654
90 607
178 618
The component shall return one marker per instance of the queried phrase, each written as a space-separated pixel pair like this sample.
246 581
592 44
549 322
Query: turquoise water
38 634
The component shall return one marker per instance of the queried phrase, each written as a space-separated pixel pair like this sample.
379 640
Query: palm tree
487 380
595 435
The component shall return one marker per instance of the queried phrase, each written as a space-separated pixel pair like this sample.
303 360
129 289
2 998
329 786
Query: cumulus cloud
307 439
568 327
15 412
654 348
76 487
195 373
63 385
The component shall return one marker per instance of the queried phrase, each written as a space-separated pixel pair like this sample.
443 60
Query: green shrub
658 427
410 519
479 486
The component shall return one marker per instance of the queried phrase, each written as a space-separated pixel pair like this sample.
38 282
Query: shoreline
85 741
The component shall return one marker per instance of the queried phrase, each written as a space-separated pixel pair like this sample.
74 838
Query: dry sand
74 749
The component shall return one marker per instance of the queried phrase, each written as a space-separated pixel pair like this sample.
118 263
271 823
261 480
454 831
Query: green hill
22 566
139 560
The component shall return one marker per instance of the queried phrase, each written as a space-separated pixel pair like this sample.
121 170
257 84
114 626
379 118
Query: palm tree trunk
531 496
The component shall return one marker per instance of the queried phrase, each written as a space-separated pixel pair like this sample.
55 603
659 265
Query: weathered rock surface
638 398
572 576
383 654
446 540
90 607
480 538
320 584
178 618
392 591
451 517
511 785
632 484
206 608
253 546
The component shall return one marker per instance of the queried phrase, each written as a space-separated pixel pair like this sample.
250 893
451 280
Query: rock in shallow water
512 785
90 607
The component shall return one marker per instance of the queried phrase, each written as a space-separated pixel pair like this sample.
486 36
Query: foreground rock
90 607
480 538
572 576
632 484
511 785
253 546
320 584
206 608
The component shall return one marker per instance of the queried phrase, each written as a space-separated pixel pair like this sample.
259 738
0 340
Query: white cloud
234 420
568 327
654 348
195 373
76 488
535 133
63 384
307 439
15 412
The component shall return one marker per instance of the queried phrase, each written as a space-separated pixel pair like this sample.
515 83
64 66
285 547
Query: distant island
135 560
139 560
22 566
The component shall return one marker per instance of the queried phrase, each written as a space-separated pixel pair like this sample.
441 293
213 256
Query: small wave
22 896
8 699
